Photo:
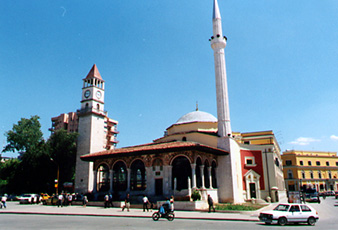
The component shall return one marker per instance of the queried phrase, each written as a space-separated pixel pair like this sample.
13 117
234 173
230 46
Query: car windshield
282 207
26 196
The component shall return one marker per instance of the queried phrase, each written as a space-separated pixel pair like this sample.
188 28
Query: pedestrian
210 203
70 199
172 203
3 200
126 203
318 198
84 201
145 203
60 198
106 201
111 199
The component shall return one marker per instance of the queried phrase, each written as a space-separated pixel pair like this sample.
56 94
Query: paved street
78 217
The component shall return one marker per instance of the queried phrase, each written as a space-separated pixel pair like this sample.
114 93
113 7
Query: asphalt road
327 212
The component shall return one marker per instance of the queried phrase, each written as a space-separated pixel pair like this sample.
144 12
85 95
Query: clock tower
92 137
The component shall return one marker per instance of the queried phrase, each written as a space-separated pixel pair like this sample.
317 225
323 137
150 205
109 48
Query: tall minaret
218 43
229 174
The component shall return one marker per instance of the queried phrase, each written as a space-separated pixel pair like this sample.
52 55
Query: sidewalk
15 208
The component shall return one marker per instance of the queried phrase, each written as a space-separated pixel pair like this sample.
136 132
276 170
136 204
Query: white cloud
334 137
304 141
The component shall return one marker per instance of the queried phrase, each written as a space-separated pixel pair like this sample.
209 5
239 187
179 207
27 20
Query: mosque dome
196 116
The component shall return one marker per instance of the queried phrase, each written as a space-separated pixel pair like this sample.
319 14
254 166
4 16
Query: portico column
111 176
193 174
210 178
128 179
202 175
95 181
170 175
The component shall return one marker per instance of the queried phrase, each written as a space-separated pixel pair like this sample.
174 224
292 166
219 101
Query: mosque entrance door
159 187
253 190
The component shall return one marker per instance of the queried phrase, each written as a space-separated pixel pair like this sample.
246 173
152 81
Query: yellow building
309 169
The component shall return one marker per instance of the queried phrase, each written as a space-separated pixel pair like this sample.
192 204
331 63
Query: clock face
87 93
98 94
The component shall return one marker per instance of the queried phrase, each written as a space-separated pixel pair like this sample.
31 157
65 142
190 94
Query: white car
290 213
28 199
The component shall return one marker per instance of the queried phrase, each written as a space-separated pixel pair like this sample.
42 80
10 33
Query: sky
156 60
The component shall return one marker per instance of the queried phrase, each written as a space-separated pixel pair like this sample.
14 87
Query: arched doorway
213 174
103 178
206 174
120 176
137 176
181 170
198 173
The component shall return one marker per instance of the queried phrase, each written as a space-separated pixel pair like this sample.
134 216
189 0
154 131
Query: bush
239 207
195 195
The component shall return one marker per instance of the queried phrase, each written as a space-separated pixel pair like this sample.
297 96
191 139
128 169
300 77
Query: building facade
310 169
198 152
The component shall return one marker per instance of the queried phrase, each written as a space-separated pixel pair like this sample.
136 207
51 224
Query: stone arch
103 179
120 176
181 172
137 175
213 174
206 174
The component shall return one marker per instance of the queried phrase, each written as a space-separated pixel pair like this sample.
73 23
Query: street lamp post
57 176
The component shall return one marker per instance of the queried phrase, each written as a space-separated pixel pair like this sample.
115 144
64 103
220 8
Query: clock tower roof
94 73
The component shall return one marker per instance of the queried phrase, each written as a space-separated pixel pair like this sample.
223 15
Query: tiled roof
154 148
94 73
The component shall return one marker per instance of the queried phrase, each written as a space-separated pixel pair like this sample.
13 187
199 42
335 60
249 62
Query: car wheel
311 221
282 221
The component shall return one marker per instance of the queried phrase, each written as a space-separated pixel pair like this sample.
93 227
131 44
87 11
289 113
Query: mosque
197 153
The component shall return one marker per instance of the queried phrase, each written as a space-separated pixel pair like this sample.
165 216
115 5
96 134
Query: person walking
70 199
126 203
84 201
60 198
3 200
172 203
145 203
106 201
210 203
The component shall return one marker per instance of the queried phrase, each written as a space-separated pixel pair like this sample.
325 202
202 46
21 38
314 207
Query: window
247 142
303 174
318 163
290 174
301 162
250 161
311 175
294 208
327 163
319 175
276 162
336 163
330 175
309 163
305 208
288 162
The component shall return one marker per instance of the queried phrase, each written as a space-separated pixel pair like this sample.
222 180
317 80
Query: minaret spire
218 43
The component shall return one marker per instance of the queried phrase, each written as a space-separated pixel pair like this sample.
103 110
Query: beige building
310 169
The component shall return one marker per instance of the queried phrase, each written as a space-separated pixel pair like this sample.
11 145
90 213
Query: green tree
31 172
62 150
24 136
